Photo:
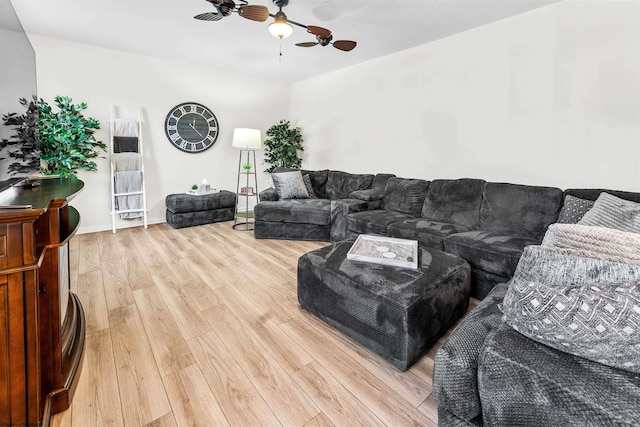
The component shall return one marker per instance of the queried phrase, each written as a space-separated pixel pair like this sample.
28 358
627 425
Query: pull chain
280 58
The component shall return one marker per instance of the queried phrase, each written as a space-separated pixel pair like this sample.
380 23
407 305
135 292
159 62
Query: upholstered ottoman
187 210
396 312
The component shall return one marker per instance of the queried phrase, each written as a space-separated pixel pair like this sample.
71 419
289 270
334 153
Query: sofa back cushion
318 181
454 201
341 184
521 210
380 181
405 195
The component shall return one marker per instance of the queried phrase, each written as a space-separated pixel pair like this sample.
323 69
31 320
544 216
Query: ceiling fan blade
318 31
254 12
307 44
345 45
209 16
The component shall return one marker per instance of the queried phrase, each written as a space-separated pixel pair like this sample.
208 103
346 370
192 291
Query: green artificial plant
282 146
22 146
67 140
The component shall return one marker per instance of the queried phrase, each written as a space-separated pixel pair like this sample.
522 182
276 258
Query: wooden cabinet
42 326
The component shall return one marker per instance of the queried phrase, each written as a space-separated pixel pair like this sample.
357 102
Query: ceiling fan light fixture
280 28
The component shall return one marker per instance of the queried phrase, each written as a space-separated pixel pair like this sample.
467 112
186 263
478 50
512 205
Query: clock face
191 127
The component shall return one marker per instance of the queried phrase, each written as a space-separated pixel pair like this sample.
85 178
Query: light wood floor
201 327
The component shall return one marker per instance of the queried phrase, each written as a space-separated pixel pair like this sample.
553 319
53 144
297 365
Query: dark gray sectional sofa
487 224
486 372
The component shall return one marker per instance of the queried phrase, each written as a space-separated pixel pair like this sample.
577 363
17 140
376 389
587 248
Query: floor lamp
247 140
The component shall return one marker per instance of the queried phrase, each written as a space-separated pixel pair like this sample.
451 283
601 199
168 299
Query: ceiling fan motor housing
226 7
324 40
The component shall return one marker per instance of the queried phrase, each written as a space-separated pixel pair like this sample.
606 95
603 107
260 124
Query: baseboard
119 225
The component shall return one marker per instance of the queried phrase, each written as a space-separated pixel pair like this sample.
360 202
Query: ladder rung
129 211
133 193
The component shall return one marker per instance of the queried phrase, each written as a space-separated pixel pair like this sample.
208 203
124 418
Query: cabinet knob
42 289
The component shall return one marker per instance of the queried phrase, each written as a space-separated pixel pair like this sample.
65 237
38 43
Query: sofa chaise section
311 219
294 219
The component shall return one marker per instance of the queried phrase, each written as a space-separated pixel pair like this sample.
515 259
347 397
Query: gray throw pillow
613 212
307 183
289 185
573 209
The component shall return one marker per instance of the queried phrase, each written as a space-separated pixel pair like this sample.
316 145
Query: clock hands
194 128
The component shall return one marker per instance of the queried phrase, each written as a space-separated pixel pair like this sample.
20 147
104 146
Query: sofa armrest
367 195
268 195
340 209
455 379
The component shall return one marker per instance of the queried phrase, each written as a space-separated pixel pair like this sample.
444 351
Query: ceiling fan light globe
280 27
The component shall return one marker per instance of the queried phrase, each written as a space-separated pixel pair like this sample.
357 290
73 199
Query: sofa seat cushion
425 231
300 211
374 222
525 383
494 252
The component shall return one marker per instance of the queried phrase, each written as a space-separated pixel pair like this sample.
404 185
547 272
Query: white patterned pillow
596 322
613 212
289 185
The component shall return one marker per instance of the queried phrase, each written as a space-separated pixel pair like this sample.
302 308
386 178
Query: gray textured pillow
307 183
289 185
613 212
599 323
573 209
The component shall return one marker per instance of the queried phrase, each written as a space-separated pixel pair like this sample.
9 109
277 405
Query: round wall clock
191 127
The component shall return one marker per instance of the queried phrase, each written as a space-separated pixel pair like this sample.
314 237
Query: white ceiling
166 28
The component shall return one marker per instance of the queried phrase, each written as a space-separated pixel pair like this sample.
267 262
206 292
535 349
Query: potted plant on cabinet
67 140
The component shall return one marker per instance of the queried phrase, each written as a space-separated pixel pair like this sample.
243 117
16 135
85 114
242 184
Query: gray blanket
128 182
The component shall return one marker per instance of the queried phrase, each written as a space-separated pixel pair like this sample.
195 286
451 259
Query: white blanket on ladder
128 182
125 127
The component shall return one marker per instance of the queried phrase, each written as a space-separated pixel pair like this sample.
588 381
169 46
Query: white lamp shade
247 138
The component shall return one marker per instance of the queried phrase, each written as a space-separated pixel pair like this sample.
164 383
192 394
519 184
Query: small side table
247 192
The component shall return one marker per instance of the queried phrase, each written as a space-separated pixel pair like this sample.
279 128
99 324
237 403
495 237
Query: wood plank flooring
201 327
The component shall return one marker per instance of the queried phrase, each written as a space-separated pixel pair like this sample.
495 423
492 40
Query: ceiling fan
281 26
324 37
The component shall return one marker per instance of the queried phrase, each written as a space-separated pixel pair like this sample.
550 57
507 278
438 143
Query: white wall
102 77
549 97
